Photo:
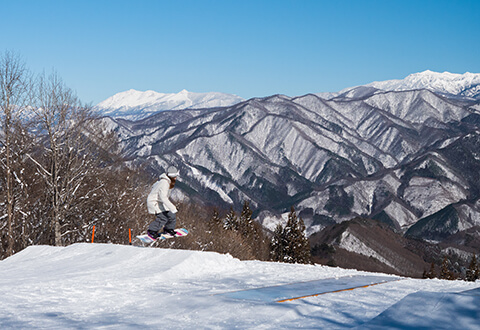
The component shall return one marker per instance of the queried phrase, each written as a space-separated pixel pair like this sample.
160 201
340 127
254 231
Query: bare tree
61 173
62 123
14 87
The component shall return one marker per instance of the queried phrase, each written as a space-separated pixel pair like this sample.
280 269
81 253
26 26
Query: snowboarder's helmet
172 172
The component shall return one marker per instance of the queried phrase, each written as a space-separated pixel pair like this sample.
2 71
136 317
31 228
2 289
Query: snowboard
148 240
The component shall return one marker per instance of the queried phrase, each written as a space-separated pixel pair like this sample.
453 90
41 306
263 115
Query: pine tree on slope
445 273
278 244
473 271
290 244
245 225
231 220
215 221
431 273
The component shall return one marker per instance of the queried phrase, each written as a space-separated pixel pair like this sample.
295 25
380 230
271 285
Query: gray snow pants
165 220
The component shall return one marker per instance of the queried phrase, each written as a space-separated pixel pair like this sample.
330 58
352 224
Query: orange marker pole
130 236
93 232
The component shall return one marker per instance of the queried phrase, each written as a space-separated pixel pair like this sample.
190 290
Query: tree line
472 273
240 235
61 173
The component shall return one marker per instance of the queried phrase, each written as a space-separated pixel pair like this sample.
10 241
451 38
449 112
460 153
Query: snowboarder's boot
169 233
153 234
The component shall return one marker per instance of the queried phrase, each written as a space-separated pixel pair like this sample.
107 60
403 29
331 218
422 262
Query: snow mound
119 261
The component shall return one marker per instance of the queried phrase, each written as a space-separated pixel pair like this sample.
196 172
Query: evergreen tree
290 244
473 271
231 220
246 225
215 221
278 244
445 273
431 273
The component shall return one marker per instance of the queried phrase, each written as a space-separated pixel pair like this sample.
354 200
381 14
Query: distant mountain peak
466 84
133 104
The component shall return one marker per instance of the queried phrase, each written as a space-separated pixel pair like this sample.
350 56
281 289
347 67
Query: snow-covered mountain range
448 84
409 158
135 105
467 84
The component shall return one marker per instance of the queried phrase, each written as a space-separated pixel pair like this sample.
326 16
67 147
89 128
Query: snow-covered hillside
135 105
114 286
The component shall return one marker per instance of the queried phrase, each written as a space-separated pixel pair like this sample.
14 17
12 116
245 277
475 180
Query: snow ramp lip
301 290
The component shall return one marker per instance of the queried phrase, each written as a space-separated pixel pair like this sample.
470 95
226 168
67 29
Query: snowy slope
112 286
135 105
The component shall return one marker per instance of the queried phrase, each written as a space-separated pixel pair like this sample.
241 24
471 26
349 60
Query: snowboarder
158 203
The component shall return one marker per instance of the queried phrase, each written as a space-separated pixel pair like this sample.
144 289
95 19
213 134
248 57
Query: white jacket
158 200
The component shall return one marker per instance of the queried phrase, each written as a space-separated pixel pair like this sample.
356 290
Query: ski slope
104 286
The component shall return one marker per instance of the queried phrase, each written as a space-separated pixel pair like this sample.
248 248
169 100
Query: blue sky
247 48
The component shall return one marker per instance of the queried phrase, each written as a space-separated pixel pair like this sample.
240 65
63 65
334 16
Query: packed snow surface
125 287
